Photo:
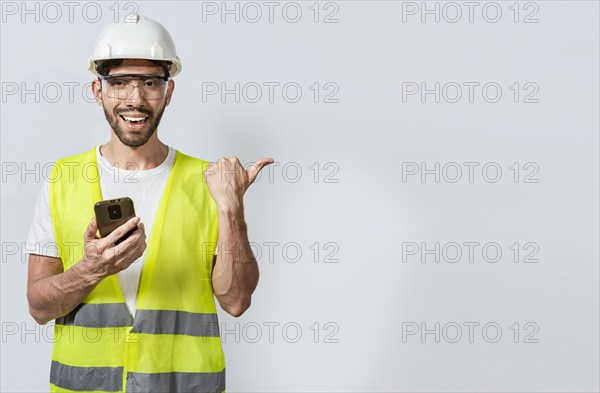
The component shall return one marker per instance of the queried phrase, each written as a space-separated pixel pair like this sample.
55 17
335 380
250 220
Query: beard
137 139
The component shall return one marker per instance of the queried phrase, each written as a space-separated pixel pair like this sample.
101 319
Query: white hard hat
137 37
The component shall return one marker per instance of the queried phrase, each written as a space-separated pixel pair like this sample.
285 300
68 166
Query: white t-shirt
144 187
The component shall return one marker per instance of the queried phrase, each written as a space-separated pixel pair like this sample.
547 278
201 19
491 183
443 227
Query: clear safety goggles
120 86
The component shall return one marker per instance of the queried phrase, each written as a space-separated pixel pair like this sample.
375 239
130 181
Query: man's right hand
52 292
103 258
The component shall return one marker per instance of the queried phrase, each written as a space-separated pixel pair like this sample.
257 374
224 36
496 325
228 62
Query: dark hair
103 67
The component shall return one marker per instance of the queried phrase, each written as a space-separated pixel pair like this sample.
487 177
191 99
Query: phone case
106 224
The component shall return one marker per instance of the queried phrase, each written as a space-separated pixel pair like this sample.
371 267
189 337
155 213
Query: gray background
366 300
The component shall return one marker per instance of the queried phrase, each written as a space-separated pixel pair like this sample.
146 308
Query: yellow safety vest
173 343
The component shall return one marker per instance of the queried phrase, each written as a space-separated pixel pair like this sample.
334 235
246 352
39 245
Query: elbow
236 310
38 317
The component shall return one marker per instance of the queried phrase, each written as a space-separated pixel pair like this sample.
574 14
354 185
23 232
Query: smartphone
112 213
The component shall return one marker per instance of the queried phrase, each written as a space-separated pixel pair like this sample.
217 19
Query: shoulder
188 161
73 166
77 159
86 155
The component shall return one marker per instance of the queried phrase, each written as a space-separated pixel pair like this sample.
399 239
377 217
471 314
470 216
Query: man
140 316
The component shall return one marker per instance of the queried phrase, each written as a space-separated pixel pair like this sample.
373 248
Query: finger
135 236
223 164
130 250
123 229
211 168
140 232
257 167
90 232
214 167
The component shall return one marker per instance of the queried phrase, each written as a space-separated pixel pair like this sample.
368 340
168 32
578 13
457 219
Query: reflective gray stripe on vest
176 382
97 315
176 322
103 379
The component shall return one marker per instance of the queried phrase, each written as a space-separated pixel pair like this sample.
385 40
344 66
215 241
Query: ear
97 90
170 89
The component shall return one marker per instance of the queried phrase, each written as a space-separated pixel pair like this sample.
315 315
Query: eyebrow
163 77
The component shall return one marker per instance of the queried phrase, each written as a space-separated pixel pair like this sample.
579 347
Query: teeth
133 118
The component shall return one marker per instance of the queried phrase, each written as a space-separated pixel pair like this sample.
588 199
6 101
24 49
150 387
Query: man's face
134 118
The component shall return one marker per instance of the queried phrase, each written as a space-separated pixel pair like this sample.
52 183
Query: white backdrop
432 220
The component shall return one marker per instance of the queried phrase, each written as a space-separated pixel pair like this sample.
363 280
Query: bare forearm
55 296
235 274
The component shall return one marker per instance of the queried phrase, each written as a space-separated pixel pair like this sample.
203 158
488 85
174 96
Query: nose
133 93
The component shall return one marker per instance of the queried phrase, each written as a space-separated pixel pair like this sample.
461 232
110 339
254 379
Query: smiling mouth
134 120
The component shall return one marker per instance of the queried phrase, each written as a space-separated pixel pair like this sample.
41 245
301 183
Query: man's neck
143 157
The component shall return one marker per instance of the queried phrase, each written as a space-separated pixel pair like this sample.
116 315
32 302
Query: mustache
140 109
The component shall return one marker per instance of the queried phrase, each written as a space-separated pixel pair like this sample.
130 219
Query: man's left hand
228 180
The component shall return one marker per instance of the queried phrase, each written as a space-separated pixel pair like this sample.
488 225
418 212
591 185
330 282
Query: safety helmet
137 37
